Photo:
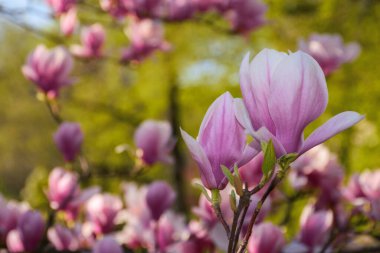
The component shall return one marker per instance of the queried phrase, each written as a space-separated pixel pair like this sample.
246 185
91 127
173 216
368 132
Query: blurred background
110 100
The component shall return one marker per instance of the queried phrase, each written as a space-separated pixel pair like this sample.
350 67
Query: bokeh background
110 100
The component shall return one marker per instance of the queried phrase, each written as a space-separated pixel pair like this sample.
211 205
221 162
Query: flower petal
200 157
298 97
332 127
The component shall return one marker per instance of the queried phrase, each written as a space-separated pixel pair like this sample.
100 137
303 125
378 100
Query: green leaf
237 181
269 157
233 200
228 174
204 191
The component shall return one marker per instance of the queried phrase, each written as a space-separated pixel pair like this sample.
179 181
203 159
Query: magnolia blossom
68 22
245 15
10 213
61 6
117 8
146 36
282 94
92 39
107 245
176 10
159 198
267 238
329 51
251 173
314 231
221 141
48 69
102 210
69 138
28 234
154 142
63 238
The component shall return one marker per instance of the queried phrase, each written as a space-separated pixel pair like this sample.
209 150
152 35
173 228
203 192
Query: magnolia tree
250 152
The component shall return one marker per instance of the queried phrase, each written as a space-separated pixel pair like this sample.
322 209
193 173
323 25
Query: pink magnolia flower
160 197
61 6
251 173
68 22
221 141
314 231
279 110
107 245
154 141
329 51
10 213
317 168
28 234
175 10
246 15
117 8
146 36
63 238
92 39
48 69
266 238
102 210
354 192
63 186
370 184
69 138
198 241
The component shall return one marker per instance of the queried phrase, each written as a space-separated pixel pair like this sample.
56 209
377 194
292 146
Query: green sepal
204 191
228 174
270 160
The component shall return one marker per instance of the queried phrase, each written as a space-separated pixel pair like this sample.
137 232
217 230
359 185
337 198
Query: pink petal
332 127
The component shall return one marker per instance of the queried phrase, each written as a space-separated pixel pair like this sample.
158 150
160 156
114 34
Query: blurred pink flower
48 69
68 22
28 234
117 8
160 197
69 138
154 141
61 6
168 230
107 245
64 238
221 141
280 111
246 15
329 51
146 36
267 238
102 210
92 39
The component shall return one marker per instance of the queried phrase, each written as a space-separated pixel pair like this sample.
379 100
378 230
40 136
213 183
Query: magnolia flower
245 15
69 138
154 142
146 36
159 198
28 233
221 141
10 213
266 238
63 186
169 229
63 238
329 51
117 8
251 173
92 38
68 21
314 231
282 94
61 6
107 245
48 69
102 210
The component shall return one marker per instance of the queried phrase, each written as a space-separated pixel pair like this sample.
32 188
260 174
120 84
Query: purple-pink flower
146 36
69 138
330 51
63 238
282 95
48 69
27 236
61 6
102 210
267 238
92 42
154 141
160 197
221 141
107 245
68 22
